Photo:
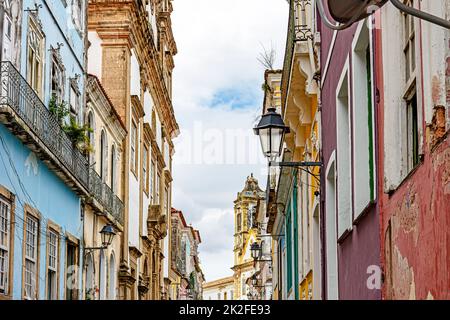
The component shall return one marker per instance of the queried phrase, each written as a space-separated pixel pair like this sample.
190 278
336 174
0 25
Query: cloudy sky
217 98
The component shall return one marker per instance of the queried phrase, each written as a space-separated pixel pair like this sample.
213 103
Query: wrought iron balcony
29 119
105 196
299 30
22 111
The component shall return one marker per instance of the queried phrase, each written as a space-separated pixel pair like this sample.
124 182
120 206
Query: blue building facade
43 175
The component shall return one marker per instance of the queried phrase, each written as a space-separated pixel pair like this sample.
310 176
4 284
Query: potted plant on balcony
78 134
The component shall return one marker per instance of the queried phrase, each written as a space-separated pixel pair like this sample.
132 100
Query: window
35 57
103 155
89 284
412 135
363 128
7 32
74 101
71 271
145 168
113 169
31 258
225 296
52 265
166 201
409 43
157 187
102 276
403 125
250 212
218 296
289 242
91 136
57 77
343 135
112 278
133 144
5 246
331 236
77 14
239 222
152 181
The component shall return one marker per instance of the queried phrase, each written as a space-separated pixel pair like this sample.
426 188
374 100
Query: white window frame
361 156
157 187
152 181
35 56
145 162
344 156
332 275
5 245
53 263
133 145
57 76
31 262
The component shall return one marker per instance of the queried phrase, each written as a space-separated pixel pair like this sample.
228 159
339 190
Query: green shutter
295 222
370 123
289 247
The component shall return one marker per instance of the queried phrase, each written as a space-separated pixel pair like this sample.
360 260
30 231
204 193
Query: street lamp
254 280
108 233
255 250
272 131
256 253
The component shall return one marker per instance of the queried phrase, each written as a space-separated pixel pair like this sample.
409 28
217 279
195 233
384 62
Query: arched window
89 285
113 168
112 278
103 155
102 275
90 122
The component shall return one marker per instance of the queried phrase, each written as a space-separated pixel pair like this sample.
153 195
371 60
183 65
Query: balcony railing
17 94
105 196
299 30
288 54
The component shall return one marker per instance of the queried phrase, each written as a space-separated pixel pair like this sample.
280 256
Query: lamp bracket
397 3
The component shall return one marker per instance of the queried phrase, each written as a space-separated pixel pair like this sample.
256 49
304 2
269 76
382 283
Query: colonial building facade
131 51
414 151
185 263
370 104
86 129
44 173
101 265
220 289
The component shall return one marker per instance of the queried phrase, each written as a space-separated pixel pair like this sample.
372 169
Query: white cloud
217 88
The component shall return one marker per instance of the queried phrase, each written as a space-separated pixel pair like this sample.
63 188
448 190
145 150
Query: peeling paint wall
415 215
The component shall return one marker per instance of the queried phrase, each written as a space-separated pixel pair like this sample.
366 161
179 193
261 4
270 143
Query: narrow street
224 150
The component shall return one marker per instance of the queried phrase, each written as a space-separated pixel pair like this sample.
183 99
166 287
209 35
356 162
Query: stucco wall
360 248
45 192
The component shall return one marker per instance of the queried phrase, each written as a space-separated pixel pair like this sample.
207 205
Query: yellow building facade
301 113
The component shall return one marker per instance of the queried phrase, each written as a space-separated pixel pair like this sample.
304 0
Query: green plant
59 110
265 87
78 134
